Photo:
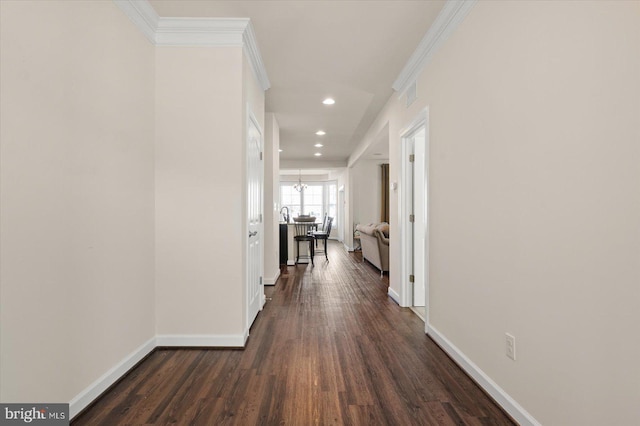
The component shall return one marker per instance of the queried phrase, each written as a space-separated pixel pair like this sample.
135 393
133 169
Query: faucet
285 215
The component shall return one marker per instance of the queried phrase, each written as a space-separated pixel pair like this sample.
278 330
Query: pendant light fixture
300 186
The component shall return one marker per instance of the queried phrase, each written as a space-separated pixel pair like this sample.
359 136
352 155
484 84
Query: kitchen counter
291 245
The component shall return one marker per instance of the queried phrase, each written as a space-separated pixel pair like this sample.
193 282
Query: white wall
93 211
365 184
202 96
535 199
362 195
271 199
76 131
199 191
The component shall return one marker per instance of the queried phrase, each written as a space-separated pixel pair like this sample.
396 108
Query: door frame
251 119
341 219
406 207
421 224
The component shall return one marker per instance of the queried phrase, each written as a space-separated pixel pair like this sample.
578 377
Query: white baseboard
394 295
203 340
272 281
503 399
291 263
94 390
349 249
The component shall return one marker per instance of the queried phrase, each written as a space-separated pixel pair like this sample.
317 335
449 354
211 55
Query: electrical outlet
511 346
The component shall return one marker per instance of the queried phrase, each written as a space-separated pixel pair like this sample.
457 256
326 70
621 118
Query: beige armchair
374 239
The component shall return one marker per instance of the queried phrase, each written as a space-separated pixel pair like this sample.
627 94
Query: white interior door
414 213
255 287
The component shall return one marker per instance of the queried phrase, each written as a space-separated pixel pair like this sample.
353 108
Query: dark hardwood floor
329 347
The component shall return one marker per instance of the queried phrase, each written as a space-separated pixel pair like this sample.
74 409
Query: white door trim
421 198
405 205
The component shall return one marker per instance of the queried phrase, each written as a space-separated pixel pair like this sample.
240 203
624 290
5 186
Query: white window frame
325 196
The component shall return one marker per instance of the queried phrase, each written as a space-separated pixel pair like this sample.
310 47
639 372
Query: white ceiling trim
255 58
451 15
143 15
197 32
200 31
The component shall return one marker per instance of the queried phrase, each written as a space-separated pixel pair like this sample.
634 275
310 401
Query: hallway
329 347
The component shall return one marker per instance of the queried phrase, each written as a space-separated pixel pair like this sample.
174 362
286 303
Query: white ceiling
349 50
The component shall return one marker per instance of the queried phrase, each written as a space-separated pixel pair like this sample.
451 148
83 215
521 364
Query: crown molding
449 18
201 31
255 58
143 15
197 32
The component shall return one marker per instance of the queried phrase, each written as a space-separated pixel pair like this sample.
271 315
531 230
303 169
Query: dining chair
304 234
324 237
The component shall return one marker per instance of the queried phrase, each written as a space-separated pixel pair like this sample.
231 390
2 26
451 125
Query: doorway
414 207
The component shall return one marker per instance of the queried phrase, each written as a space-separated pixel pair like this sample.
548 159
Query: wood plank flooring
329 347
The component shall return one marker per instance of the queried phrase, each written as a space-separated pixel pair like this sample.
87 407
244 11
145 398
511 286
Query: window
318 198
312 201
291 198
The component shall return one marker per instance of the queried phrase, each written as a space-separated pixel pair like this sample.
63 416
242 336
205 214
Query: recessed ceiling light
317 154
376 153
321 133
279 150
328 101
318 145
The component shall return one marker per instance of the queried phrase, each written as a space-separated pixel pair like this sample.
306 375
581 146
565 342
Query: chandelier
300 186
